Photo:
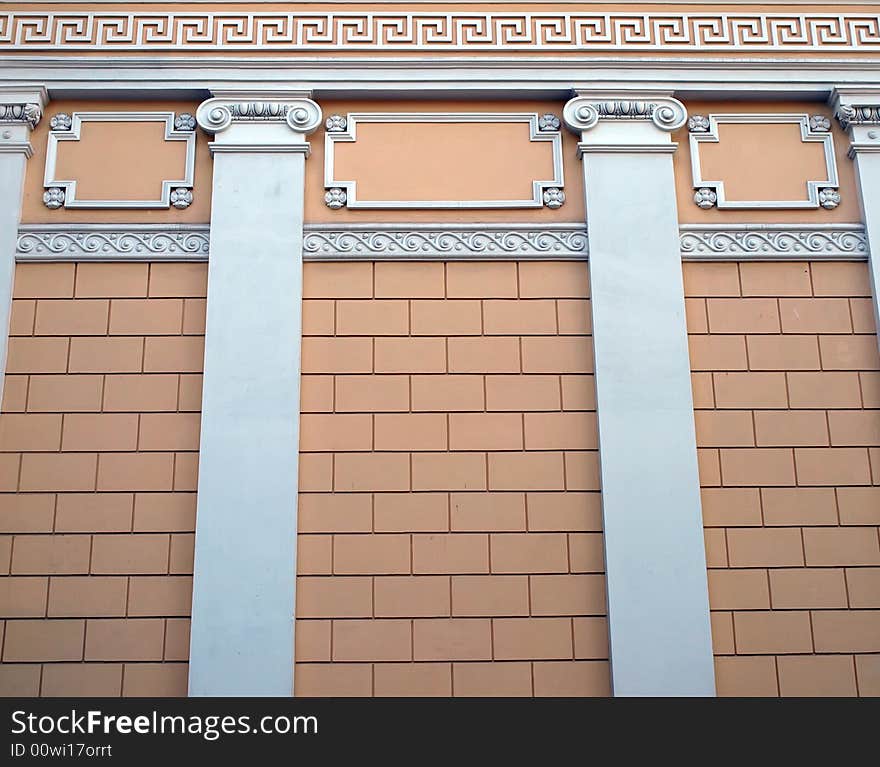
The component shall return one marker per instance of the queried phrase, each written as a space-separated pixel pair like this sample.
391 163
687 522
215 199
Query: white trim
349 135
807 136
73 134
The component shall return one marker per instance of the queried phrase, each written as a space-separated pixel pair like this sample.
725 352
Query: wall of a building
786 394
99 442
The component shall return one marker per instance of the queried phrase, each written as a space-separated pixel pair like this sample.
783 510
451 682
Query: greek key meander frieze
436 31
84 242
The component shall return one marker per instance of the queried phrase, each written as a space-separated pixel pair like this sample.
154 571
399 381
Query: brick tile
319 318
695 315
409 431
177 635
15 393
824 390
146 316
590 638
410 355
718 352
372 318
532 638
190 392
582 470
100 431
140 393
867 672
314 554
790 428
19 680
447 392
575 317
94 513
448 471
722 633
807 588
840 279
174 355
194 312
23 597
554 279
519 318
169 431
370 554
757 466
21 513
724 428
43 280
373 394
21 318
484 355
492 679
450 553
371 471
578 392
570 511
126 639
421 279
335 513
522 392
336 432
372 640
57 471
41 640
29 432
135 471
859 505
9 470
411 512
80 317
529 553
775 279
817 675
186 472
526 471
832 466
863 321
181 554
772 632
160 595
315 472
586 552
815 315
485 431
338 280
413 679
65 680
91 596
50 554
333 679
798 506
334 597
783 352
765 547
316 394
849 352
568 594
446 318
561 431
130 554
37 355
833 546
573 679
854 427
312 640
738 590
846 630
107 355
490 595
746 677
743 315
155 680
481 280
412 596
557 355
111 280
452 639
731 506
179 279
710 279
751 390
863 586
487 512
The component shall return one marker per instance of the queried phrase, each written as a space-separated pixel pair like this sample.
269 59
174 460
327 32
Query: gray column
245 557
658 607
858 110
20 111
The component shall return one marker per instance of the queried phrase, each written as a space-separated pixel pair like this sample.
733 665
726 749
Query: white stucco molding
542 128
813 128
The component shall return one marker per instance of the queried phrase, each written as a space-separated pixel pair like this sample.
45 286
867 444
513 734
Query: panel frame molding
348 197
169 186
808 135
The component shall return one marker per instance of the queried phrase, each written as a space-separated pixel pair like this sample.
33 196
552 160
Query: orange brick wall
449 523
787 398
98 462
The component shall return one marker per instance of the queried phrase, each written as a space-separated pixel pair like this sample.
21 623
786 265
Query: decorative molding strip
815 128
777 242
439 242
108 242
344 129
23 31
62 192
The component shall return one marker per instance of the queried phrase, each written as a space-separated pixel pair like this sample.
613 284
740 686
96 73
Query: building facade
409 349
